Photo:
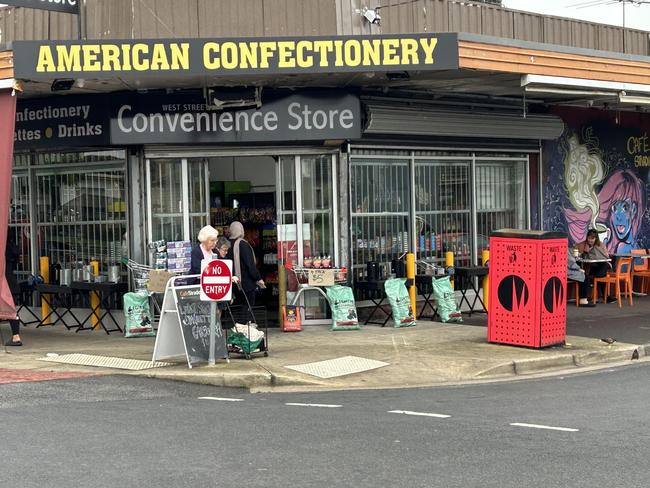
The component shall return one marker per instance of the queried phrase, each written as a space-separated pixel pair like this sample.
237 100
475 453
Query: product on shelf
179 256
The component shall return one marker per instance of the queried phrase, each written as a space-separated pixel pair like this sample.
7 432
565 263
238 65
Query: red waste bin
527 287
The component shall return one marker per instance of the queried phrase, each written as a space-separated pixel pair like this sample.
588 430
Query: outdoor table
630 255
465 278
425 289
591 261
376 294
106 293
26 296
57 297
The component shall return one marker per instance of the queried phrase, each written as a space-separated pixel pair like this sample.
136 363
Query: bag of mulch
344 308
400 302
137 315
446 300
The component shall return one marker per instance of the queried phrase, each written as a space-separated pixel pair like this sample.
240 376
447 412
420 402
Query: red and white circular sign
216 280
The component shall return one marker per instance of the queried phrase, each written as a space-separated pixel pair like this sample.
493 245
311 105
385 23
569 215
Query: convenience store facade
363 163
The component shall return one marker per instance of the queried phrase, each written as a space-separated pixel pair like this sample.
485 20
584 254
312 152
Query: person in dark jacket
12 256
207 237
243 258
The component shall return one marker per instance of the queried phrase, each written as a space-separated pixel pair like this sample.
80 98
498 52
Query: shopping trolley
140 282
243 324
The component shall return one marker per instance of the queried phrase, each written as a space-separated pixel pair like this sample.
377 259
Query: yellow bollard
94 298
410 274
44 271
486 279
449 263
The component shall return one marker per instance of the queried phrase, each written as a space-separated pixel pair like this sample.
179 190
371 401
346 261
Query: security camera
372 16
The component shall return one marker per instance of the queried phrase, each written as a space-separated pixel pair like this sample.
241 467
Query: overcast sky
636 16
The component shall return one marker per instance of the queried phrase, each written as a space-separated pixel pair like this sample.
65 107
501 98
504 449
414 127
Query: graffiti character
621 206
615 211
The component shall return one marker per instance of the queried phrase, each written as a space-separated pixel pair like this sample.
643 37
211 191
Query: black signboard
194 316
237 56
66 6
70 121
187 119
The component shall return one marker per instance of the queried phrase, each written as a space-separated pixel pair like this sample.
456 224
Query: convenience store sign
188 119
182 118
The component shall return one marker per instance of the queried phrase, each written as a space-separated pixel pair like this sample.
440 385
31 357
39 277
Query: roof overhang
492 69
574 91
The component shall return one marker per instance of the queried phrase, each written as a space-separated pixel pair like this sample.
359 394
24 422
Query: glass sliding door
165 198
177 196
198 185
307 216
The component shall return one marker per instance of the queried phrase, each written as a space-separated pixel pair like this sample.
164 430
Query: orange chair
576 288
623 274
641 270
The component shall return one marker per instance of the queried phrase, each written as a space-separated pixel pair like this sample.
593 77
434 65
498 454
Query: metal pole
213 331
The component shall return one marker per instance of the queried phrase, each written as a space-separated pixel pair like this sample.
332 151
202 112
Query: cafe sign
186 118
65 6
238 56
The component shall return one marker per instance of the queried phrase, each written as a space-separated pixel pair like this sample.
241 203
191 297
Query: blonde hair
207 232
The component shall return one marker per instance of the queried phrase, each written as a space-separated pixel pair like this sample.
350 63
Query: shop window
19 223
81 216
458 200
443 210
75 211
501 197
379 210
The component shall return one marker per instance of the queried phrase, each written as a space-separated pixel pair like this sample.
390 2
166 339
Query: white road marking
321 405
421 414
548 427
219 399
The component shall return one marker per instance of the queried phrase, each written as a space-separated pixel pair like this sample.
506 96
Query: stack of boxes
179 256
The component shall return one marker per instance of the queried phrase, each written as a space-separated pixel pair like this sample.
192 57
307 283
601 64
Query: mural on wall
596 176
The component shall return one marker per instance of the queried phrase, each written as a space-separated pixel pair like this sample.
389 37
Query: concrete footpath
429 354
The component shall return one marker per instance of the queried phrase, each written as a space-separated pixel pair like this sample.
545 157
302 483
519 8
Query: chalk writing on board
194 316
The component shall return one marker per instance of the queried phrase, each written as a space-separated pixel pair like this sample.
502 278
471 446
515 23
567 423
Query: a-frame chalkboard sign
184 327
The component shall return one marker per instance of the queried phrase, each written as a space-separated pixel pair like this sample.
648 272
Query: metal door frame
185 193
297 168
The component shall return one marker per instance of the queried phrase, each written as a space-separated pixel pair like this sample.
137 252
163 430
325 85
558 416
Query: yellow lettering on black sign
113 57
274 55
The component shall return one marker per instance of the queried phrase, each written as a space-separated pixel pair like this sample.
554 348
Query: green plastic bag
400 302
446 300
241 341
344 308
137 314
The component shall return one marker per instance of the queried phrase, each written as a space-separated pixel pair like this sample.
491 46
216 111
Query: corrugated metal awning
434 122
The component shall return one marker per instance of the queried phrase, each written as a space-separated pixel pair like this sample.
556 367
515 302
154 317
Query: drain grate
338 367
104 362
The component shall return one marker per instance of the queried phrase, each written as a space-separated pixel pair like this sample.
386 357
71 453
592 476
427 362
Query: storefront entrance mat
104 362
338 367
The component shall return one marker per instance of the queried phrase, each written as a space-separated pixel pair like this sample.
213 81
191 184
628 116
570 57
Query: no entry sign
216 280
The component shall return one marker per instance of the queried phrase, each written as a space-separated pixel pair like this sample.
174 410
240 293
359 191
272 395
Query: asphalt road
588 430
